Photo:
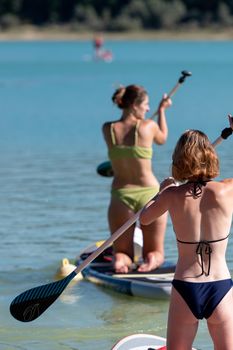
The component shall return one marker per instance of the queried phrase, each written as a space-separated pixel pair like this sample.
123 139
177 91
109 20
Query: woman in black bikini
201 212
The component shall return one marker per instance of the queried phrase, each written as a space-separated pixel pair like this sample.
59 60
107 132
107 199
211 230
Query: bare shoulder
148 126
169 192
222 183
148 122
227 183
106 126
222 187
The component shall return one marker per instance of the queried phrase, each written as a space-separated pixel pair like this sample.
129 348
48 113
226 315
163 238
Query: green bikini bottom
135 197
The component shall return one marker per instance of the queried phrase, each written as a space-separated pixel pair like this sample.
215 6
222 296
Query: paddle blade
30 304
105 169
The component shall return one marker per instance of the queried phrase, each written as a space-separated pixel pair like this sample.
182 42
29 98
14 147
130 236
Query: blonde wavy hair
194 158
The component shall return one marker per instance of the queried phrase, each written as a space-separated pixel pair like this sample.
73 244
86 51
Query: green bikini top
122 151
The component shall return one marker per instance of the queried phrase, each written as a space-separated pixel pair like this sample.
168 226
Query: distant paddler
100 53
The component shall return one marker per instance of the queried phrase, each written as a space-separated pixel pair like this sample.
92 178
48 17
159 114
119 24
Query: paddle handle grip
171 93
217 141
221 137
184 75
108 242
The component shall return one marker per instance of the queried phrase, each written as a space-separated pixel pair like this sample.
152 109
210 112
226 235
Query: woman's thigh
220 323
118 214
182 325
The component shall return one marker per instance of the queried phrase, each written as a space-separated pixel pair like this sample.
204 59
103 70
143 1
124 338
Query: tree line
115 15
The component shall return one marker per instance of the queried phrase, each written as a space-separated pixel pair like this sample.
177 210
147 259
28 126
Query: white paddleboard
141 342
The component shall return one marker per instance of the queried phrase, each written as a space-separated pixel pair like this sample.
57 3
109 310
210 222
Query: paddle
225 133
30 304
105 168
184 75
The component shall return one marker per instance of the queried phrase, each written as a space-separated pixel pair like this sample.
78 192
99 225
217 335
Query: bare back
132 171
204 218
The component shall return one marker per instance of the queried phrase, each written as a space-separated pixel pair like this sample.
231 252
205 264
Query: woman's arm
160 203
225 132
160 135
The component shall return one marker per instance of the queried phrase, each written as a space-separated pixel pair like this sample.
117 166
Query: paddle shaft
220 139
171 93
108 242
217 141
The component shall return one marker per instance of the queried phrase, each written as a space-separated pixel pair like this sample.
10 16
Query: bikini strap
213 241
113 138
203 247
136 133
197 187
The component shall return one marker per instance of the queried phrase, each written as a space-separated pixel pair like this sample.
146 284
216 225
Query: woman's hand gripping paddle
225 133
105 168
30 304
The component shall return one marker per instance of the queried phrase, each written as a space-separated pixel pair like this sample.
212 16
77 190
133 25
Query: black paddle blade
105 169
30 304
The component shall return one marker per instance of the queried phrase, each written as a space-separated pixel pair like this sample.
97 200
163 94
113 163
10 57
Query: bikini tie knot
197 187
204 248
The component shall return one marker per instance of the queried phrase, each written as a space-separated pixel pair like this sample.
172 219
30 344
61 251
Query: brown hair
194 158
124 97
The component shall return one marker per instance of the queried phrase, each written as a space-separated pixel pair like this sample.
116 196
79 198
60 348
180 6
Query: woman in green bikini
129 141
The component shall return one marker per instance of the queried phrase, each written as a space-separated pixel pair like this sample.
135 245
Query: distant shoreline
57 33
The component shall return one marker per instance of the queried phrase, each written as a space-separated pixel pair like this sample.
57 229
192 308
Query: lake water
54 99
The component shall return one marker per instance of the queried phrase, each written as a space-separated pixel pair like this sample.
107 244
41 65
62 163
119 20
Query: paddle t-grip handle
184 75
220 139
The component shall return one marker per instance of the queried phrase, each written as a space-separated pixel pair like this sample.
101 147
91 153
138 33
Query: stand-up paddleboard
105 56
141 342
155 284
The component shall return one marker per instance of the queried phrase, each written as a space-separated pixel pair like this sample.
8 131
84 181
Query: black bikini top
203 246
196 190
